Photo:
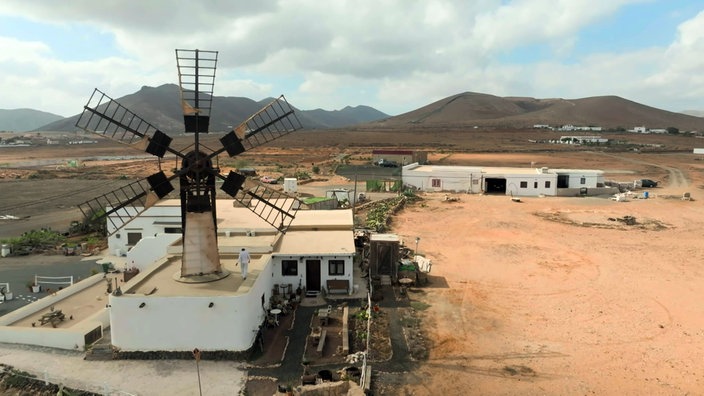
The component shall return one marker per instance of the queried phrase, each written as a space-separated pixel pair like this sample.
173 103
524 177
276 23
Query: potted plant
33 287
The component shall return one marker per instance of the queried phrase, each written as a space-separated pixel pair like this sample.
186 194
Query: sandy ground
549 296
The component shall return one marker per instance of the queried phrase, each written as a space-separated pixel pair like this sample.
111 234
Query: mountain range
470 109
21 120
160 106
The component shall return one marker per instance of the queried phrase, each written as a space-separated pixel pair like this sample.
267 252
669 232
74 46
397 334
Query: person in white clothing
244 262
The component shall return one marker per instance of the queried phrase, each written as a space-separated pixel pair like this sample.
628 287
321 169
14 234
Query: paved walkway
126 377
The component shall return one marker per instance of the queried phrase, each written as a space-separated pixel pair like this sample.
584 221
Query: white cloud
391 54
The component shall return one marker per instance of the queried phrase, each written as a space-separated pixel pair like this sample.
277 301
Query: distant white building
508 181
640 129
570 127
582 139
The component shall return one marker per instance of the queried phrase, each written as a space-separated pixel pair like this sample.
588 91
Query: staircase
99 352
385 280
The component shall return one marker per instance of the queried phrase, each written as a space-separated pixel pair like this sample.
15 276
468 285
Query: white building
509 181
224 314
575 139
570 127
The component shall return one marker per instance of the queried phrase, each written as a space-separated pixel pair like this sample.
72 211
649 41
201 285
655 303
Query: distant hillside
23 120
696 113
477 109
160 107
345 117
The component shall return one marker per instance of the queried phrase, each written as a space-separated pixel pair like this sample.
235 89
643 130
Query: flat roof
495 170
330 242
161 282
336 218
312 233
511 171
446 168
237 218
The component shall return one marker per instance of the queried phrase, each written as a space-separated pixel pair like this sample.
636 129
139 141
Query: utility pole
196 354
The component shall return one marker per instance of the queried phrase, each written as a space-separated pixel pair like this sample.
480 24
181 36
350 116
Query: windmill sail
196 73
196 79
274 207
270 123
104 116
122 205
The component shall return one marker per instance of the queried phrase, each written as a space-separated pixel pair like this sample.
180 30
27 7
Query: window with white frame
336 267
289 267
436 183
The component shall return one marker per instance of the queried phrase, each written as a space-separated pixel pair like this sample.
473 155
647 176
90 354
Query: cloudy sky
394 55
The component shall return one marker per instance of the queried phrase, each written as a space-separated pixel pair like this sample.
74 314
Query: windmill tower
197 172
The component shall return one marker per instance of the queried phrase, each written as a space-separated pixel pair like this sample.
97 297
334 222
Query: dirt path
677 181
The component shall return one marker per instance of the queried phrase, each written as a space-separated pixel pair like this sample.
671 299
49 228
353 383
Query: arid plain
543 296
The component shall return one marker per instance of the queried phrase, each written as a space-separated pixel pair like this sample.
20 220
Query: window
133 238
173 230
289 267
524 184
535 184
547 184
336 267
436 183
583 180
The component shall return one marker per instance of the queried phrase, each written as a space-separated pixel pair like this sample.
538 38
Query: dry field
545 296
550 296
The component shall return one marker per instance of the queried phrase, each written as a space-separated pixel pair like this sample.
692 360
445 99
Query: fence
53 280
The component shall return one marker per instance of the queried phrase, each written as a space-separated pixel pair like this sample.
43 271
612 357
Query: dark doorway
313 275
563 181
495 186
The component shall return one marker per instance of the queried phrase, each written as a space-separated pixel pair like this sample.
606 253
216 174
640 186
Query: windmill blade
273 206
196 79
273 121
127 202
104 116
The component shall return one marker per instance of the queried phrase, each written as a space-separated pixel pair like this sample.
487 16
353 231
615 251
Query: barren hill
476 109
160 107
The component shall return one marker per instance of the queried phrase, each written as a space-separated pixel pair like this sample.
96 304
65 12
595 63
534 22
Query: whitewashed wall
168 216
279 278
150 249
591 178
185 323
513 185
63 338
451 178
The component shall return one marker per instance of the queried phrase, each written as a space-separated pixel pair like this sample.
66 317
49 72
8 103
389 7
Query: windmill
197 173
